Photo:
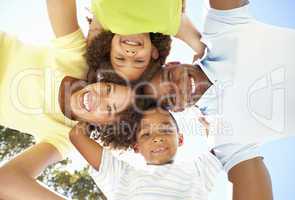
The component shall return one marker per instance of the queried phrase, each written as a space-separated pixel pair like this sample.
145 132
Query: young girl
132 36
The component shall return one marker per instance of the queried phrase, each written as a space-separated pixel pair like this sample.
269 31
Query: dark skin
173 86
227 4
250 178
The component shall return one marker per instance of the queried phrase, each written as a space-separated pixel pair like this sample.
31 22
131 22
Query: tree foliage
76 185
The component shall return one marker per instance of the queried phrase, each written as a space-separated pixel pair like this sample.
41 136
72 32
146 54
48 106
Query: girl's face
100 102
131 55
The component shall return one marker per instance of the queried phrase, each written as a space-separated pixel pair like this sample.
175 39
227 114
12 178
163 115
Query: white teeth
159 150
132 43
193 85
86 101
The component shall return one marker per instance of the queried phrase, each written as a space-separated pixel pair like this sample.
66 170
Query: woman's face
100 102
131 55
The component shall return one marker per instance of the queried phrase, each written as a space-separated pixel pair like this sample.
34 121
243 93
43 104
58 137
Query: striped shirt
180 180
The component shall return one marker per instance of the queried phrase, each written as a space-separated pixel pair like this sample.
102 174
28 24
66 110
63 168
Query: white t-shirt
192 180
252 66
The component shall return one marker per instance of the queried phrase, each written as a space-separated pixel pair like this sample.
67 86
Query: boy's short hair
155 106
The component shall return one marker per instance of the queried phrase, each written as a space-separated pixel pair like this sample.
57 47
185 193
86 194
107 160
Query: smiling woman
30 77
95 103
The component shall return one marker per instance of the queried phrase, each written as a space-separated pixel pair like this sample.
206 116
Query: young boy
157 139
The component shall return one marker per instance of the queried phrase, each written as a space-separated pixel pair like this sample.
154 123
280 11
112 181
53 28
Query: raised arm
251 180
189 34
88 148
63 16
17 177
227 4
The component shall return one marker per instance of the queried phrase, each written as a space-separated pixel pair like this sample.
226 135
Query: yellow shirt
127 17
30 77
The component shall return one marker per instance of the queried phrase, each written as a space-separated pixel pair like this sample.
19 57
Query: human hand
201 54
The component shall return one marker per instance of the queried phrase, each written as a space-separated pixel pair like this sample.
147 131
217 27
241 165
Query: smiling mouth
131 40
87 101
159 150
132 43
193 85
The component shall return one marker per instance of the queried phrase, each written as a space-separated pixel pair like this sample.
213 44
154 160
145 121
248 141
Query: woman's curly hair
121 134
99 61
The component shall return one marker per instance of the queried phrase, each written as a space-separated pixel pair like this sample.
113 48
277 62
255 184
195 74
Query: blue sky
278 155
32 25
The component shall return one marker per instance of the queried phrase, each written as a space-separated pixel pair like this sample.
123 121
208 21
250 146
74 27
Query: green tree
76 185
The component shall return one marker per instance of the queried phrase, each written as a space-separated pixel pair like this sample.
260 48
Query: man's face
100 102
176 85
157 139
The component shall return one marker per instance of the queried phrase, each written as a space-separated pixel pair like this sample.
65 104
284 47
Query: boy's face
158 139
